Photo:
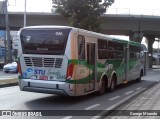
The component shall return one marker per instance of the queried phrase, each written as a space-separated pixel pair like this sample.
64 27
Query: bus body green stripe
118 67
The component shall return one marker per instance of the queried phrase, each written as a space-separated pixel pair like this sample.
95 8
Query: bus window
102 49
102 54
112 45
112 50
120 47
44 41
134 52
102 44
81 47
115 50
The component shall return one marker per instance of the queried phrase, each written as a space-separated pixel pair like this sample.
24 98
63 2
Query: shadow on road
56 102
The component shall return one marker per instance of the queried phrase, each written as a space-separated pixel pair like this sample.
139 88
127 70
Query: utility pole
25 13
158 53
9 52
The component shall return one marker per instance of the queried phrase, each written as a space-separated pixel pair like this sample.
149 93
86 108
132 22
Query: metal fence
131 11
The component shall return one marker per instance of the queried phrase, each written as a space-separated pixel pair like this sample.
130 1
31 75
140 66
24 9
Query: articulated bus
71 61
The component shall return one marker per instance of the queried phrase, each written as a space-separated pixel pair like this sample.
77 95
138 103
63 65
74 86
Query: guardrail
133 11
127 11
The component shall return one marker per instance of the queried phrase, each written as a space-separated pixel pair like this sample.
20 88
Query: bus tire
103 87
112 84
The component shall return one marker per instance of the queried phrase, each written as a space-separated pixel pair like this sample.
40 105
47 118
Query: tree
83 14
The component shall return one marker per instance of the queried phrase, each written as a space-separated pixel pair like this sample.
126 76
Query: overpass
134 26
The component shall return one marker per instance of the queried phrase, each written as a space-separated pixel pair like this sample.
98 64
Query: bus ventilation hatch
43 62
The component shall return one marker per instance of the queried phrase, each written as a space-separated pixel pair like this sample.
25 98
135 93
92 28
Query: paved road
4 75
12 98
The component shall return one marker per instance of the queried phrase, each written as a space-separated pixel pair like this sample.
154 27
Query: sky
140 7
151 4
32 5
119 6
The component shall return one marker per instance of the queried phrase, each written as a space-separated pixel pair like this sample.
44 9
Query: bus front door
126 64
91 60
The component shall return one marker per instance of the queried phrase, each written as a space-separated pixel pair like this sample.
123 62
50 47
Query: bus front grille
43 62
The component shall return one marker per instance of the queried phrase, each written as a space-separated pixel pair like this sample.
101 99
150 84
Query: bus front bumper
40 86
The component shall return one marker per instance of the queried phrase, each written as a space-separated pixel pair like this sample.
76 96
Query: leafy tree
83 14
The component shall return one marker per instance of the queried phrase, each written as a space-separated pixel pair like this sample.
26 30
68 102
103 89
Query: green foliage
83 14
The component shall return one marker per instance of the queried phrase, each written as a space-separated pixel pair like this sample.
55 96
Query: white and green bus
70 61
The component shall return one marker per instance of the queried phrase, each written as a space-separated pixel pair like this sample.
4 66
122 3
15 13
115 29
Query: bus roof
46 26
102 36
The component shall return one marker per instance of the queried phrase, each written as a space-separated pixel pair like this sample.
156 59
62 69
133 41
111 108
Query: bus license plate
43 77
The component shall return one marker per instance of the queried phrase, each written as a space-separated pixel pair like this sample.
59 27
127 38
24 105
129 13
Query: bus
71 61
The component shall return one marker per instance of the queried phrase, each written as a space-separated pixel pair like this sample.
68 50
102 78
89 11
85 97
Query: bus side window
112 45
134 52
81 47
102 49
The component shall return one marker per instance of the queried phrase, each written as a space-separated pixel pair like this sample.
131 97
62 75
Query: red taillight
70 71
19 68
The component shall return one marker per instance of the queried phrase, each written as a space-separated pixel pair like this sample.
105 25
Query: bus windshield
44 41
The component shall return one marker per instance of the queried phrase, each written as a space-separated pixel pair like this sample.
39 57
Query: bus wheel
102 89
112 85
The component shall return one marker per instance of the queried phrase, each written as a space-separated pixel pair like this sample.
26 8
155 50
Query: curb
122 102
8 84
